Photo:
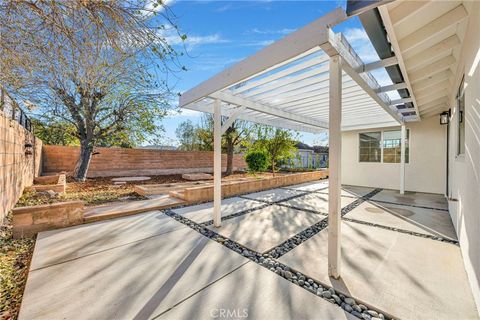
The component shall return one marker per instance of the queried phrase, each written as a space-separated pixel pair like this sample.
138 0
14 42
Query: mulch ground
15 256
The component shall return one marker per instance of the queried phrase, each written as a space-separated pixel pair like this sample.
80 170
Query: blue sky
221 33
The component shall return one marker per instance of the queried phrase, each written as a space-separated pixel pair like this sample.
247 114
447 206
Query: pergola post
217 164
334 153
402 159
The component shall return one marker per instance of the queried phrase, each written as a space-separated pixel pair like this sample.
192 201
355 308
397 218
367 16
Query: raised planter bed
56 183
28 221
232 188
165 188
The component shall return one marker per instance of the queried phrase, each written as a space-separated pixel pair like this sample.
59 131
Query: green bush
256 161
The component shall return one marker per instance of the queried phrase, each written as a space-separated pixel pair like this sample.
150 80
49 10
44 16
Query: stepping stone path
130 179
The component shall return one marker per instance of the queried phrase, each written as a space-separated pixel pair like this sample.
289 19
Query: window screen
370 147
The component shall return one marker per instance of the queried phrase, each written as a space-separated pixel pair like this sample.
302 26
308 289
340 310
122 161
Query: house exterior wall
464 170
425 172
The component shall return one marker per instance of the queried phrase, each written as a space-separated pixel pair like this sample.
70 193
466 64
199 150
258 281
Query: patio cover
287 84
308 81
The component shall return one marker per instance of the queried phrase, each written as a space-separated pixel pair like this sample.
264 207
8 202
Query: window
370 147
383 146
461 118
392 146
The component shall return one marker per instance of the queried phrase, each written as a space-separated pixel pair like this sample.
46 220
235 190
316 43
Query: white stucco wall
464 190
426 171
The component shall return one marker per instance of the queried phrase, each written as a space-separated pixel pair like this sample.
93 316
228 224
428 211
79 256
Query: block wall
17 169
123 162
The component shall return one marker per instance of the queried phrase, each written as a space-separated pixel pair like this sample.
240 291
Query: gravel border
309 232
236 214
412 233
322 290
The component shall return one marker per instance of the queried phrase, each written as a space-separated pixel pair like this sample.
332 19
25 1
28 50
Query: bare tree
99 65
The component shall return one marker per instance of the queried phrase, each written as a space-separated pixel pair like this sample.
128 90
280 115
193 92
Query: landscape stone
197 176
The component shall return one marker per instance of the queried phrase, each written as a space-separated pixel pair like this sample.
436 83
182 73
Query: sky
221 33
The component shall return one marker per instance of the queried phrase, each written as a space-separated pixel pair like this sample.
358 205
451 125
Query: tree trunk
86 150
229 157
273 167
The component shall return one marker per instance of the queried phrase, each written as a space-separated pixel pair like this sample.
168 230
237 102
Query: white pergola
309 81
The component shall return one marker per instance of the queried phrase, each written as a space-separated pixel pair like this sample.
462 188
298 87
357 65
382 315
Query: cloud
171 36
224 8
259 43
213 63
359 40
283 31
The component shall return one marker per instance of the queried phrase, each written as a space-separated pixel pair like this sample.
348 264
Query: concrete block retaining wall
56 183
28 221
205 193
17 167
123 162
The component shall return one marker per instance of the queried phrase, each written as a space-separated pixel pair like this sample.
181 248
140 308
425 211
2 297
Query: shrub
256 161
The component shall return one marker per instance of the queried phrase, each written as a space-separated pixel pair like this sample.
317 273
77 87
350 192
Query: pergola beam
232 118
377 65
279 78
258 118
392 87
364 80
400 101
227 97
385 15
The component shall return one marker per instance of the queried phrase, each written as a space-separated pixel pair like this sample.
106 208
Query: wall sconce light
444 117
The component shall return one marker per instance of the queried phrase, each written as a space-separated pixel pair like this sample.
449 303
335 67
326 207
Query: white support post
217 164
403 132
334 180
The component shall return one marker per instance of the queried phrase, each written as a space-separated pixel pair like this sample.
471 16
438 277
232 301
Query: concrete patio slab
407 276
255 293
427 221
57 246
134 281
345 193
116 210
431 200
204 212
316 201
266 228
310 186
356 190
273 194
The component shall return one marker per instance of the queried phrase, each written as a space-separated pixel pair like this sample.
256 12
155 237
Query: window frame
380 146
408 137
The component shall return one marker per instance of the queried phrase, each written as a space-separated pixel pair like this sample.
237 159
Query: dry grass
15 256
